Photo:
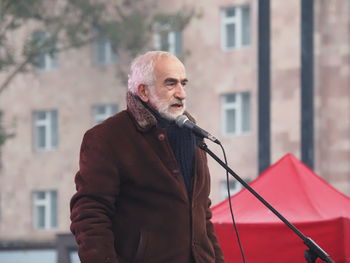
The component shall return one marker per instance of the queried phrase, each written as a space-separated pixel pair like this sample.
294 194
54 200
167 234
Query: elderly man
143 184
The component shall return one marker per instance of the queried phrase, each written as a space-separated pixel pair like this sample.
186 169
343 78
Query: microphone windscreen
180 120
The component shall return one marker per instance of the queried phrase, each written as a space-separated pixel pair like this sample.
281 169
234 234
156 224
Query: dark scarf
182 142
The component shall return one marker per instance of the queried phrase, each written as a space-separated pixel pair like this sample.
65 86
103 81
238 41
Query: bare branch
10 77
29 58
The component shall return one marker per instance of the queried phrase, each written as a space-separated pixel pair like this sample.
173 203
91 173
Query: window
235 27
235 113
28 253
104 53
102 112
73 255
166 39
45 130
47 59
234 186
45 209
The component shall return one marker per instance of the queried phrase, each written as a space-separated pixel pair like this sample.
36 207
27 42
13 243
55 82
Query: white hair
142 69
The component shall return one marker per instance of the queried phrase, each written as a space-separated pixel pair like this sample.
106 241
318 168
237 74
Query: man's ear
143 92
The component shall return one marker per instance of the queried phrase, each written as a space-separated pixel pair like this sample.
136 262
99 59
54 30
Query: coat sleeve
93 205
219 258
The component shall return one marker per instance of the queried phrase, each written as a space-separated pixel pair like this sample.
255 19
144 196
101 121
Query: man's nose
180 91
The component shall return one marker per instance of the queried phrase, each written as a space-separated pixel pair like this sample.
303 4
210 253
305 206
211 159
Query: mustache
177 101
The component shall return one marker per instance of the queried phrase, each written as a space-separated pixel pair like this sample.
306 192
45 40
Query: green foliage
175 21
54 26
22 10
131 34
68 24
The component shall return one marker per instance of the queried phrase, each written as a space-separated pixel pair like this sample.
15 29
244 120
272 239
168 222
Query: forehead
166 67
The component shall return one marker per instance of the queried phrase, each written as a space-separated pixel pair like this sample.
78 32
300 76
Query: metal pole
307 82
264 85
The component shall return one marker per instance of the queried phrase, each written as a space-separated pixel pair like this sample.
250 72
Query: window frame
50 59
234 185
98 118
109 54
237 21
50 223
49 123
238 106
172 36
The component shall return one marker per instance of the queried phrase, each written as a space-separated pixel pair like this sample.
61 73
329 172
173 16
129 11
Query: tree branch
10 77
27 60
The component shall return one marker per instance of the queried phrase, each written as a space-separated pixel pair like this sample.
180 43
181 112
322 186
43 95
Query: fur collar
143 117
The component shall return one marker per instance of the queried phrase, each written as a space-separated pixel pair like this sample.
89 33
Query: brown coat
131 203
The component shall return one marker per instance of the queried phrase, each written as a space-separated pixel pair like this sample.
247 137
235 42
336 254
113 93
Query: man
143 184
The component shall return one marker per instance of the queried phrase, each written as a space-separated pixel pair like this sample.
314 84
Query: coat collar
143 117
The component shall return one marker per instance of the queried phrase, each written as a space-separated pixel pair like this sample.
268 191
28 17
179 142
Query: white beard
164 107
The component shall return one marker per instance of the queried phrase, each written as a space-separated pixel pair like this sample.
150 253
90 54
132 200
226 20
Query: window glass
45 209
40 195
245 25
102 112
236 113
230 98
166 39
101 47
40 217
41 130
54 129
234 187
178 43
101 109
235 27
230 12
231 121
45 130
231 35
41 115
114 109
47 58
104 53
245 112
53 208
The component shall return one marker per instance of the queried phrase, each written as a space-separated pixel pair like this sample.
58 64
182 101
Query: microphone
183 121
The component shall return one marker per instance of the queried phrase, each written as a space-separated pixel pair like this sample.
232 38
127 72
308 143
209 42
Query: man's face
168 94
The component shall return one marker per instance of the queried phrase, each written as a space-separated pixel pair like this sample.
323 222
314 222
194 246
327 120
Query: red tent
318 210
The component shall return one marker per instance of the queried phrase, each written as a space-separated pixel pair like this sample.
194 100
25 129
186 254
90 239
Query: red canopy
317 209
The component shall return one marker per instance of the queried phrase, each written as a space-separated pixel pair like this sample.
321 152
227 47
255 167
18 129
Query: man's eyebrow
170 80
175 80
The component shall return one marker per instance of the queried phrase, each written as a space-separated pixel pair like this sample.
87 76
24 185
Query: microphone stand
314 250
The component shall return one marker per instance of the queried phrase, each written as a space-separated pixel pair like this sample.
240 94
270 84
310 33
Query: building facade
50 109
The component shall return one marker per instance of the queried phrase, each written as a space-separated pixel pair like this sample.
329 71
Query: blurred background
267 78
